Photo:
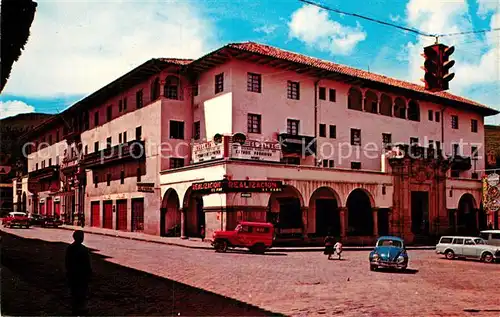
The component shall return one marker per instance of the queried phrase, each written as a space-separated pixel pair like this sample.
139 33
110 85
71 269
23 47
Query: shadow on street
33 283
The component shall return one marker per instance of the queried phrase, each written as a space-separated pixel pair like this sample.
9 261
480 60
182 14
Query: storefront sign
145 187
493 179
246 195
231 186
256 150
207 151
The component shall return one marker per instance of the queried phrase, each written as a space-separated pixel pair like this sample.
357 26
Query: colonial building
252 132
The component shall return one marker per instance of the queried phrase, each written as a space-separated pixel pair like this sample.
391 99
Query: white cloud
314 27
267 29
14 107
476 55
78 47
487 6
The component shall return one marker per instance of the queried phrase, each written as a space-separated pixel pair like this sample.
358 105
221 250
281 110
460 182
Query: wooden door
107 219
138 214
42 209
121 215
95 216
57 209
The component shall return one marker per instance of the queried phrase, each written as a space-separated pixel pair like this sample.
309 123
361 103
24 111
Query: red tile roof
275 52
177 61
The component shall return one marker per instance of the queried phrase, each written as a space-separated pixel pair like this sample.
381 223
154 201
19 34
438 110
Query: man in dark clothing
78 273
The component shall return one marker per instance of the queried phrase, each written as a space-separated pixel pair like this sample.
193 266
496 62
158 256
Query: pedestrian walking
202 233
338 248
78 273
329 245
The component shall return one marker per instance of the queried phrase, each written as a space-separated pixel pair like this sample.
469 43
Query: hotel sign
207 151
257 151
231 186
146 187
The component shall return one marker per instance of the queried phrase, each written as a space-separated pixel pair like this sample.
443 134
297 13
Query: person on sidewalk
202 233
338 248
78 273
329 245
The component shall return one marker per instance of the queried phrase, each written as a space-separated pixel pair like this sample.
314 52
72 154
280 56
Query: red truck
16 219
256 236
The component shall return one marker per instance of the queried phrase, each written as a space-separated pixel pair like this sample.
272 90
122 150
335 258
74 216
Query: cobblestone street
295 283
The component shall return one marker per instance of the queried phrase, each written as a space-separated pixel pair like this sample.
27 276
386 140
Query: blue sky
76 47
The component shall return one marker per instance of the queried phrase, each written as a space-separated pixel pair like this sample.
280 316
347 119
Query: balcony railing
461 163
46 172
133 150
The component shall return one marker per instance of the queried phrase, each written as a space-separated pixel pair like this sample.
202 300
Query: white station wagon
467 247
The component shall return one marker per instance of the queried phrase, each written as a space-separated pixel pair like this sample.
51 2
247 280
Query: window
108 142
355 99
57 136
36 166
138 133
473 125
386 139
355 137
430 144
431 115
329 163
254 82
155 89
176 130
468 242
456 149
109 113
96 146
414 141
454 122
322 93
119 138
292 127
122 177
50 139
413 111
196 130
86 120
458 241
120 105
125 137
438 144
322 130
139 99
400 108
219 83
474 152
176 162
333 132
446 240
495 236
291 160
50 162
43 164
371 102
254 123
108 179
293 90
124 103
96 118
138 174
437 116
332 95
96 179
171 88
356 165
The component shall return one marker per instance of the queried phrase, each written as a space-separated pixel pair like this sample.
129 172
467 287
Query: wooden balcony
133 150
45 173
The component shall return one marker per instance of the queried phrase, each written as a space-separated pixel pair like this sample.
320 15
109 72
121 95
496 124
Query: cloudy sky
76 47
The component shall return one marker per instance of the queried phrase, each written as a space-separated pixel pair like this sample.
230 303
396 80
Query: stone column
183 223
343 221
375 221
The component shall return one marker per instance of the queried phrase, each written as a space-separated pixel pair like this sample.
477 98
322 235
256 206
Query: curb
274 249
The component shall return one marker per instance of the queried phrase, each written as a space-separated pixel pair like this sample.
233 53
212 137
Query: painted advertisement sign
256 151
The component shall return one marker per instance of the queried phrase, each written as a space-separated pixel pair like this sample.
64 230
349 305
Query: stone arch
285 211
171 88
192 206
371 102
467 215
170 217
324 212
155 89
359 210
413 111
386 105
355 99
400 107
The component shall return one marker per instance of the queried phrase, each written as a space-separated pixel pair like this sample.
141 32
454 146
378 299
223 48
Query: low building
253 132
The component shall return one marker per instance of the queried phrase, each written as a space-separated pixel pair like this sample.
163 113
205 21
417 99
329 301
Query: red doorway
42 208
107 219
57 209
95 215
49 206
138 214
121 215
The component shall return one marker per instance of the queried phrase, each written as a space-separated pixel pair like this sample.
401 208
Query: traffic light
437 66
431 68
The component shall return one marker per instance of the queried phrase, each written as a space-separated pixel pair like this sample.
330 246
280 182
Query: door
458 246
95 214
42 208
138 214
107 219
121 215
327 217
420 212
49 206
470 249
57 209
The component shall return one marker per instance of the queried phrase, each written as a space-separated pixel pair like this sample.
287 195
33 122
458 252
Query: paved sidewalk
196 243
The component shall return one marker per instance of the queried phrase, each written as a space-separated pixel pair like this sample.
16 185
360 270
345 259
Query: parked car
467 247
36 219
491 237
16 219
256 236
51 222
389 252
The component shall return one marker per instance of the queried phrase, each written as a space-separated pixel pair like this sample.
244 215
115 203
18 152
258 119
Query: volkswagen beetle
389 252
